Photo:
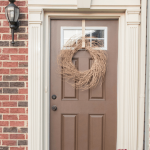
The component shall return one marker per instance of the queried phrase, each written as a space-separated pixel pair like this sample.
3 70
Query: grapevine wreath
83 79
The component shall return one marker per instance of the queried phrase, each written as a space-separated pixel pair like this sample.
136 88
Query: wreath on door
83 79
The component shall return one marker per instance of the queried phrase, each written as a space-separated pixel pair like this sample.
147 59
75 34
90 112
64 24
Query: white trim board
131 57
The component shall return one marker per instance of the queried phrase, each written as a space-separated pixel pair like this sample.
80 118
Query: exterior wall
14 81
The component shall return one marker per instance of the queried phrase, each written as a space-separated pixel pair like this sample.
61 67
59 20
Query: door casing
40 112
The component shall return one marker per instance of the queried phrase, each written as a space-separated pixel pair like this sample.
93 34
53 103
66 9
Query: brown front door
84 120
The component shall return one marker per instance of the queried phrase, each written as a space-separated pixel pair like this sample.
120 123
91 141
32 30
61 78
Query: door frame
130 75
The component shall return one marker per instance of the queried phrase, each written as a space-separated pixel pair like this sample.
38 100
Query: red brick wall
14 81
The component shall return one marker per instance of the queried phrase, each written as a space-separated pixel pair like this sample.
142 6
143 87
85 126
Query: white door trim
131 75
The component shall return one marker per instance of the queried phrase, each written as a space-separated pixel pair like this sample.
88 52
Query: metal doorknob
54 97
54 107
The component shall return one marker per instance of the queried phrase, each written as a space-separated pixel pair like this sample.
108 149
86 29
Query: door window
98 34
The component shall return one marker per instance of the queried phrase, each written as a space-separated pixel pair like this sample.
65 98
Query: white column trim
141 86
35 82
39 74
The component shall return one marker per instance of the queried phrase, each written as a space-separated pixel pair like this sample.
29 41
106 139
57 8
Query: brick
0 91
0 117
23 36
4 3
10 78
23 117
20 30
4 148
23 130
23 91
9 104
23 9
17 148
3 136
9 142
10 130
17 110
4 57
10 50
5 23
0 64
18 43
4 29
17 123
4 71
8 90
4 123
4 110
4 97
16 84
22 104
26 57
22 142
8 37
10 64
17 97
23 64
1 130
22 16
26 84
23 23
17 136
10 117
23 50
0 78
18 71
23 78
4 84
2 16
4 43
20 3
17 57
26 97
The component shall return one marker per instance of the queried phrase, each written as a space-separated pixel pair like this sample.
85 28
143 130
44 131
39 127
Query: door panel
68 92
84 120
96 131
97 92
69 128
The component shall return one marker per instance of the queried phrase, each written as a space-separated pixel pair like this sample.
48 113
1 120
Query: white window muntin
78 30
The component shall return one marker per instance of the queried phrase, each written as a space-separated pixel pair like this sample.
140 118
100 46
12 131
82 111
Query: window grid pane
91 34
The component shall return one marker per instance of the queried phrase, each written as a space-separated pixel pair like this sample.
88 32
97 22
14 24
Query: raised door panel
97 92
68 91
96 132
69 132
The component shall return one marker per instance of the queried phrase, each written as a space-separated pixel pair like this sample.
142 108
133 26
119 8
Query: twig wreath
83 79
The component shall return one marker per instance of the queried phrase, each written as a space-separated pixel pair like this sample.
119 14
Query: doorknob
54 107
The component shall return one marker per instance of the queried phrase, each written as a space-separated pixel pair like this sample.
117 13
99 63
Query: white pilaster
141 92
35 81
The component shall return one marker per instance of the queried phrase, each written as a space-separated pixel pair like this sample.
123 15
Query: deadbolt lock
54 107
54 97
